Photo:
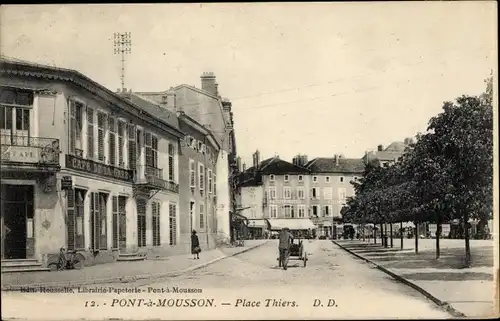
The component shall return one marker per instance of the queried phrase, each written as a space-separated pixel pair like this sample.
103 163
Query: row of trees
446 174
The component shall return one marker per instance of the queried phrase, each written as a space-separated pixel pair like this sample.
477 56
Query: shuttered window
172 220
79 219
70 204
141 223
112 141
156 223
215 184
115 222
202 216
171 160
132 148
101 131
121 144
192 174
90 133
103 225
94 221
210 182
122 218
201 175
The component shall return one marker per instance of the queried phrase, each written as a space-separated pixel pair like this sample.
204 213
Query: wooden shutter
70 201
103 223
72 126
96 222
172 223
90 133
132 148
115 222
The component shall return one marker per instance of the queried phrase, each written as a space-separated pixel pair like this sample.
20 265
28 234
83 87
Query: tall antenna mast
122 45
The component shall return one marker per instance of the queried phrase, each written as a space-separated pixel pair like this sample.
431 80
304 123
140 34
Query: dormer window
271 178
301 178
315 179
286 178
327 179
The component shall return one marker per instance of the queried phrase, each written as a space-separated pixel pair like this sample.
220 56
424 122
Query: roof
291 223
328 165
277 166
396 147
17 67
154 109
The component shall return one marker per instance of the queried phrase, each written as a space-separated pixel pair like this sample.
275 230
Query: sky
318 79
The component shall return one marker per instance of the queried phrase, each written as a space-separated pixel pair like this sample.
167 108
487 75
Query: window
302 211
75 209
171 164
314 193
327 193
301 193
90 133
272 193
201 177
16 97
119 220
172 221
315 179
141 223
210 181
155 207
288 210
6 118
215 185
355 178
286 178
341 179
101 131
327 179
112 141
271 178
132 148
202 216
19 116
273 209
98 223
341 193
121 143
315 210
192 174
151 144
301 178
326 210
287 192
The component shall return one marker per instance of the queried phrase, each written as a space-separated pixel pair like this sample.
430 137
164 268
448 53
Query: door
17 224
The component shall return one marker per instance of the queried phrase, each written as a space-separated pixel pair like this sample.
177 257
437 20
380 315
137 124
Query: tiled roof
396 147
278 166
167 116
328 165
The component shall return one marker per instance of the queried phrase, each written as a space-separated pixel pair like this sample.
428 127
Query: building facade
330 187
198 183
116 193
209 109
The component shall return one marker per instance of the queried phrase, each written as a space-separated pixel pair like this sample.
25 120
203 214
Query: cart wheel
305 260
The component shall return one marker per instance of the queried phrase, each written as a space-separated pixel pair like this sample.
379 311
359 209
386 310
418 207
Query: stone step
129 254
20 262
18 269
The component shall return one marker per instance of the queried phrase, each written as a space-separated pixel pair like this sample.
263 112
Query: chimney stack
244 167
238 163
380 148
336 159
256 158
208 83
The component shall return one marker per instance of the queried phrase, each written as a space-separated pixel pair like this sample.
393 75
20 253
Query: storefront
302 227
258 228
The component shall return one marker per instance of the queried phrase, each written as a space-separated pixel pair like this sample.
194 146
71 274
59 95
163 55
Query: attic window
315 179
327 179
341 179
271 178
286 178
301 178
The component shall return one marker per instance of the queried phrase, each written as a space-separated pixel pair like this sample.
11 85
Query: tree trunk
402 234
374 234
416 237
467 243
392 241
382 234
363 226
438 235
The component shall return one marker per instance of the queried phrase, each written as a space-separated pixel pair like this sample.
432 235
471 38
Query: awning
291 223
259 223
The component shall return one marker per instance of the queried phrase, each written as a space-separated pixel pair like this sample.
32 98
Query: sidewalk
123 271
465 292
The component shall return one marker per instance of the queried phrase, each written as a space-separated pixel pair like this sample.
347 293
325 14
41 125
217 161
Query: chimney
336 159
238 163
170 101
380 148
244 167
208 83
256 158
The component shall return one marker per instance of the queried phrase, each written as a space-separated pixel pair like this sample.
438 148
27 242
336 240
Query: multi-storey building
277 191
116 192
389 155
198 187
209 109
330 186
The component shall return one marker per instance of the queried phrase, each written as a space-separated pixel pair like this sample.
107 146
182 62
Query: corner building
111 190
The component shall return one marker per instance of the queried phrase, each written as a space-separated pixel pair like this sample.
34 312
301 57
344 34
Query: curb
127 279
444 305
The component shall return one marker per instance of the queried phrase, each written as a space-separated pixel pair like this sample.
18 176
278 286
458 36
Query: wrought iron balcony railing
29 150
152 178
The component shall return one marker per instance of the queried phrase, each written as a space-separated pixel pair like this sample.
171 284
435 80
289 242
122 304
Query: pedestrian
286 239
195 246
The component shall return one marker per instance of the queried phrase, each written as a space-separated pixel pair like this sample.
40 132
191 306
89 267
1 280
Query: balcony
151 178
30 153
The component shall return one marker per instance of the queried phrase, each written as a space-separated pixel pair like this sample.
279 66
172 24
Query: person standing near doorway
195 246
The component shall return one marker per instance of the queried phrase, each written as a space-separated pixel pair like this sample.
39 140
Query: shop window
155 206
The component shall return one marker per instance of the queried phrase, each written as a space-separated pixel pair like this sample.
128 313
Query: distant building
275 194
330 187
388 156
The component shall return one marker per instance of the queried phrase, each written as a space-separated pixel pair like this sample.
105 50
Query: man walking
286 239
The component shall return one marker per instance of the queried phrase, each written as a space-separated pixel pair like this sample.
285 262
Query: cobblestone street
240 281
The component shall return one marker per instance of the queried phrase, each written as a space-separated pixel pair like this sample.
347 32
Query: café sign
91 167
22 154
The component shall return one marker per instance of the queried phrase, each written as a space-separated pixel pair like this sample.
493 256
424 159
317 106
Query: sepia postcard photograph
249 161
